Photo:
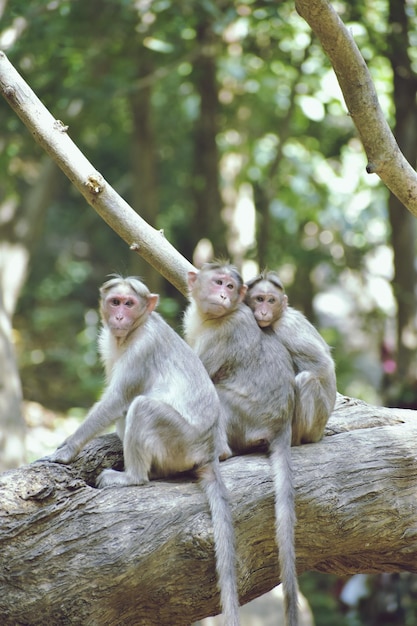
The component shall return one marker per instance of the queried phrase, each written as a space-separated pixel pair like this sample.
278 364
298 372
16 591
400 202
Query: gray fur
315 392
167 413
254 378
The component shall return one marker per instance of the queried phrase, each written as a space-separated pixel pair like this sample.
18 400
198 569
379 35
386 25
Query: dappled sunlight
46 429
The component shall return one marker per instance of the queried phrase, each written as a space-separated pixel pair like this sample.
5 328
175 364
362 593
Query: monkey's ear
242 292
153 300
191 278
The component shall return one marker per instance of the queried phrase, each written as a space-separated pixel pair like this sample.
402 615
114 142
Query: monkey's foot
64 455
225 454
257 445
112 478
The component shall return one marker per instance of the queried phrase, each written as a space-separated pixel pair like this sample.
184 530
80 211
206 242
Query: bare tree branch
384 155
51 135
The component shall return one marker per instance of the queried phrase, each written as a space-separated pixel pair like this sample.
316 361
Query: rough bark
144 555
384 155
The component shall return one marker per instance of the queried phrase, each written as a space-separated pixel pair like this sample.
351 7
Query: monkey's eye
230 286
115 301
259 299
129 303
218 281
271 301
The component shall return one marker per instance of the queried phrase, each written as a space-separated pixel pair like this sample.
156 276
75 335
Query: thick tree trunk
12 425
207 221
71 553
144 162
19 237
403 226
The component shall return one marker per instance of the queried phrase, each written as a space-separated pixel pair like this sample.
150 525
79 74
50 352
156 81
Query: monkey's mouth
217 308
263 322
119 331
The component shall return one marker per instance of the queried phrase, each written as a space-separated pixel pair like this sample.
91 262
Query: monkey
167 410
315 380
254 378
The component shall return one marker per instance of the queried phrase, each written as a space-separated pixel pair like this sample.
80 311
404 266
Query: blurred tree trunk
144 167
403 224
207 222
12 425
19 236
266 194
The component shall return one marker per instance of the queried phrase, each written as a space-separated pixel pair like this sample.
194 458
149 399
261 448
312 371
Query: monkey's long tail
224 540
282 471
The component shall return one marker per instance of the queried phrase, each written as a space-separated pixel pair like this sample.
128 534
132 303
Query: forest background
222 124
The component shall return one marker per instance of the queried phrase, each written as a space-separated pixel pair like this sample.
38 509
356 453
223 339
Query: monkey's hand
65 453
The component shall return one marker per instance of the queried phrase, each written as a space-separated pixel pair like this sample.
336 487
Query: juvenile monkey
315 380
254 378
167 411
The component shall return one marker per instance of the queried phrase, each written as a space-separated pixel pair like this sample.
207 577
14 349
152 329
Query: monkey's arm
101 415
305 344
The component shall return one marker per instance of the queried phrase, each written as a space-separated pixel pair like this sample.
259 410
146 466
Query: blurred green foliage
283 138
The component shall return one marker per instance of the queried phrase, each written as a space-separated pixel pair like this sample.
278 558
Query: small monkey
167 412
254 378
315 380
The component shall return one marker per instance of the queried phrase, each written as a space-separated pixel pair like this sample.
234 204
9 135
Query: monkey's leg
223 449
157 438
311 411
120 427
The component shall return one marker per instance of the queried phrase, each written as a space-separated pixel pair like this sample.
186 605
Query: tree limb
51 135
384 155
71 553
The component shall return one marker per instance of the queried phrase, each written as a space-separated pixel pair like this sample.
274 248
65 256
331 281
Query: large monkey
315 380
167 411
254 378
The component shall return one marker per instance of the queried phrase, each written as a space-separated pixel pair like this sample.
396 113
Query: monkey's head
217 289
125 304
266 297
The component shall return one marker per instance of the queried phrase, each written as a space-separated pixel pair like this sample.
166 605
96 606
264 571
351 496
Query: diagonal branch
51 135
384 155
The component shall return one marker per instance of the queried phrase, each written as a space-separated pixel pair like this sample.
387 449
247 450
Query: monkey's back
252 372
303 340
310 354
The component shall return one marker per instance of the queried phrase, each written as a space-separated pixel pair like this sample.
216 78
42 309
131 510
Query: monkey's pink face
262 309
221 294
122 311
266 307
